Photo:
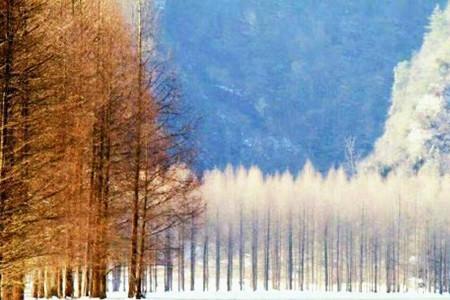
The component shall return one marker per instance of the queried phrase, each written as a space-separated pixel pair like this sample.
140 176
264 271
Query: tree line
314 232
94 162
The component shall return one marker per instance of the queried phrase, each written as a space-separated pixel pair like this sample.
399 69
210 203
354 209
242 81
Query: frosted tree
365 233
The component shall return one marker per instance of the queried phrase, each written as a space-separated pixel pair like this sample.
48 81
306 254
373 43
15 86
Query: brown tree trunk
13 286
132 280
140 266
69 288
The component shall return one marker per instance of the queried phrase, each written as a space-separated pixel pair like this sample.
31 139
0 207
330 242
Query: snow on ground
281 295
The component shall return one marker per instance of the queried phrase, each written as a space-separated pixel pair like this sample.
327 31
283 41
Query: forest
92 164
99 192
332 232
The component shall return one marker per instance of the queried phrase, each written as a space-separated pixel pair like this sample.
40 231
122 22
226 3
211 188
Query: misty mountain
278 82
417 131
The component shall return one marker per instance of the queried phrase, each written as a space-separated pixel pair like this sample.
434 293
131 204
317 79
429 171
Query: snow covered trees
417 134
332 233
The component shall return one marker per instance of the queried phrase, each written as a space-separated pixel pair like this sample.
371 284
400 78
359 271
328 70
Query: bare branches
83 137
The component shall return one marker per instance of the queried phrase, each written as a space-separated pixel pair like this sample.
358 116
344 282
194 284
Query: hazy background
281 81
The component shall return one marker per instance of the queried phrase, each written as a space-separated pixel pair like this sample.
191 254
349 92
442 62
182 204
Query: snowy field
281 295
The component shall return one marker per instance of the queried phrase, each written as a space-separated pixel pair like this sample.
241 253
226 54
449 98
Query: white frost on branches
417 130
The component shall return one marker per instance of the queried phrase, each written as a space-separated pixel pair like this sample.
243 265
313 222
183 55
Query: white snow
281 295
417 131
229 89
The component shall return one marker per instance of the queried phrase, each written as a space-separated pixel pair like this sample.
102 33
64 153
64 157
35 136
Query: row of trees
327 233
93 167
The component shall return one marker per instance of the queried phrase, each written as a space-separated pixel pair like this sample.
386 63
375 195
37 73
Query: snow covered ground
282 295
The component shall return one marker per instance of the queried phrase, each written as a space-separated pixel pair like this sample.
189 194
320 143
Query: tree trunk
193 253
302 252
277 256
267 252
181 259
35 285
290 262
350 261
230 257
217 252
241 248
169 265
132 280
69 286
338 256
375 289
361 252
140 264
325 256
206 259
255 252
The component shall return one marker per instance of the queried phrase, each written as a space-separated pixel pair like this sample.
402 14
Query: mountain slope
280 81
417 132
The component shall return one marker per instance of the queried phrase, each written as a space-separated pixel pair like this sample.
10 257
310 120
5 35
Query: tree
351 231
69 142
